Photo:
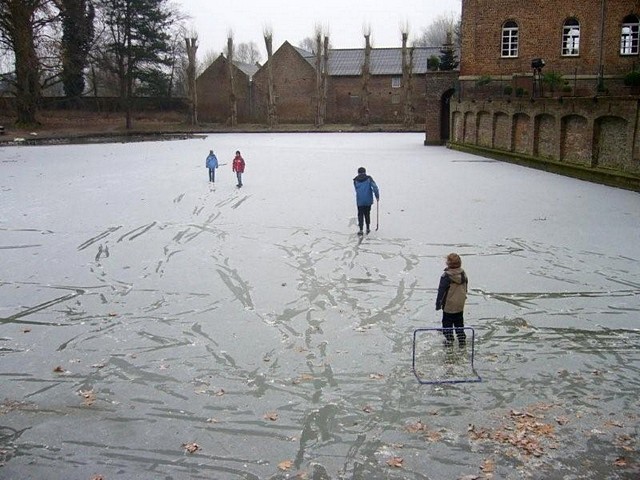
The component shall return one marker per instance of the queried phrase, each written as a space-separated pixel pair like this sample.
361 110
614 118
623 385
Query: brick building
385 84
294 74
582 130
294 79
214 91
585 41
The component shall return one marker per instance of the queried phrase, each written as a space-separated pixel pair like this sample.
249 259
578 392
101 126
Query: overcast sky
294 20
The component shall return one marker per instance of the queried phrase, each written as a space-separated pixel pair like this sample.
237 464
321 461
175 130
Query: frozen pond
156 326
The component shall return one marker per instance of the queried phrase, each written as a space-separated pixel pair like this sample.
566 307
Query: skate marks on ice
153 358
553 284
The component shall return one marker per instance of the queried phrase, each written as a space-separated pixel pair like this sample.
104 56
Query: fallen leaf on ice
285 465
488 466
59 369
191 447
367 409
395 462
416 427
620 462
273 416
376 376
89 397
614 423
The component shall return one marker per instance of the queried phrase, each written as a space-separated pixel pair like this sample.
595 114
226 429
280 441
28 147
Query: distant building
294 71
214 91
294 80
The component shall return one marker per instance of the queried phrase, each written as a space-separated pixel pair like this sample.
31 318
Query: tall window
629 36
510 39
571 37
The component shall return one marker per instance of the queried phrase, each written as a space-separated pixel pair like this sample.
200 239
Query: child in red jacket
238 167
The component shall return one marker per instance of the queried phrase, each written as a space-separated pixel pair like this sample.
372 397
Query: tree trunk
21 18
366 74
407 84
325 80
272 114
318 120
192 48
233 104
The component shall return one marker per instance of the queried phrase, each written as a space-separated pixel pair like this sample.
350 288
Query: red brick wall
439 88
385 103
540 25
576 131
295 88
213 88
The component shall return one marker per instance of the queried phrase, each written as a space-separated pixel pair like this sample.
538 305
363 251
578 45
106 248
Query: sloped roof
248 68
384 61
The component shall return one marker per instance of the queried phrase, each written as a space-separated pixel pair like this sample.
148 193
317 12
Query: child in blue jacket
366 189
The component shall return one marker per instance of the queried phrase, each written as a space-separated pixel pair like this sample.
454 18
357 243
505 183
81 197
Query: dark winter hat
362 170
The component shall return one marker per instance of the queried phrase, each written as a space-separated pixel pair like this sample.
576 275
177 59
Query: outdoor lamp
537 63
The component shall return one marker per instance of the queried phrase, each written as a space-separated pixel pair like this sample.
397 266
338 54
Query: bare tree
208 58
435 34
325 78
308 44
248 53
322 68
272 114
192 49
233 102
407 81
365 112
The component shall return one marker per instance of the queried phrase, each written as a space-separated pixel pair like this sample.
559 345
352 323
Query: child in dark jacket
452 294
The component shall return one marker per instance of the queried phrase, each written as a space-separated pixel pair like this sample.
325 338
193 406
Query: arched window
629 36
571 37
510 39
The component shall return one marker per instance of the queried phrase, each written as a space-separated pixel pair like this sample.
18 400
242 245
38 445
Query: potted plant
632 80
554 80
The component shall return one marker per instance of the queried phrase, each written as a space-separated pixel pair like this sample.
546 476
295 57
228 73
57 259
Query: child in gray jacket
452 294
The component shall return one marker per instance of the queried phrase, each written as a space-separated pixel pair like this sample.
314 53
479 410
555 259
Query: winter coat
238 164
212 161
366 188
452 290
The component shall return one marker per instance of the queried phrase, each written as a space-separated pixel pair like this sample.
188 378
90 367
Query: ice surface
181 311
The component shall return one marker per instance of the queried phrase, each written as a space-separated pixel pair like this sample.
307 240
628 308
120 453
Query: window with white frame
571 38
510 40
629 36
396 82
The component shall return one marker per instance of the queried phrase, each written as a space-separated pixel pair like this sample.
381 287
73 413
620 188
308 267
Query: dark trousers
451 320
212 174
364 216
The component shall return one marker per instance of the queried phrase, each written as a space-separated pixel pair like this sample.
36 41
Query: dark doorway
445 110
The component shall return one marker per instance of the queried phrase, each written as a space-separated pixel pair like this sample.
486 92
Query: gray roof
248 68
384 61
